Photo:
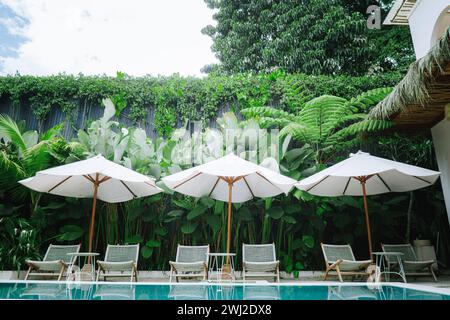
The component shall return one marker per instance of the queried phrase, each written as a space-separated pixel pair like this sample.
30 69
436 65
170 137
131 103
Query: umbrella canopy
94 178
362 174
211 179
231 179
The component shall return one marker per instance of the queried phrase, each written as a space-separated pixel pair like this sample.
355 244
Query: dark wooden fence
83 115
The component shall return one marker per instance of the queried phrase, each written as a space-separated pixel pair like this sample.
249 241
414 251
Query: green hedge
177 97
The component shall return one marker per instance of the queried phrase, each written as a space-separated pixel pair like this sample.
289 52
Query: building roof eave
399 13
421 97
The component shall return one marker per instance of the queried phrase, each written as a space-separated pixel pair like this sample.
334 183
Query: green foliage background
175 98
296 223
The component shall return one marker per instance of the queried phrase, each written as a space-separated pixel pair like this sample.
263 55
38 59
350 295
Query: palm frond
10 129
10 168
37 157
52 132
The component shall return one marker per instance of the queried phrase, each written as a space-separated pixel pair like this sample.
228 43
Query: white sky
137 37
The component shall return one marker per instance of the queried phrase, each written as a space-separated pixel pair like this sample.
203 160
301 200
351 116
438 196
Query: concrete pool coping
306 278
413 286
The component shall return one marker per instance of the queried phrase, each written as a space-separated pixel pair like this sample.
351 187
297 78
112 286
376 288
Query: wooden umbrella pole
230 193
369 232
94 205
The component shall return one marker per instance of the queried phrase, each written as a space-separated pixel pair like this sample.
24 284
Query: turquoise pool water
105 291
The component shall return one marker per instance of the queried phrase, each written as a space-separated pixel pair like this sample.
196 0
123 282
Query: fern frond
300 132
268 112
266 122
370 98
367 125
323 109
339 121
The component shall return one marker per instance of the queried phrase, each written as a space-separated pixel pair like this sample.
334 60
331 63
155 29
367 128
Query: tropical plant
299 227
131 148
414 150
102 138
206 214
297 223
23 153
19 241
245 139
324 122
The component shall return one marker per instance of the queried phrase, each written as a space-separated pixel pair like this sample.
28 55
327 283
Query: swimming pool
41 290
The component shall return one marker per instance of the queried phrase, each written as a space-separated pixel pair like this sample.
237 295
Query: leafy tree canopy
313 37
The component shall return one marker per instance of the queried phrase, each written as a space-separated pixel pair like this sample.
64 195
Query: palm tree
22 154
326 121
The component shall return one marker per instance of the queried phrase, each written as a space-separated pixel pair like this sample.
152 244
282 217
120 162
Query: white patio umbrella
363 174
230 179
96 178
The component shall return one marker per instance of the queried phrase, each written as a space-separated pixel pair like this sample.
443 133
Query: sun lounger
120 261
340 258
259 260
411 265
191 261
55 263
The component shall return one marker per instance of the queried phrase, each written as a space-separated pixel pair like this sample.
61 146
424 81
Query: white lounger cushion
347 265
417 265
116 266
261 266
55 265
189 266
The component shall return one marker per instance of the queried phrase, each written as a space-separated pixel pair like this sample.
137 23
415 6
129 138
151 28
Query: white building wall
441 140
422 22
